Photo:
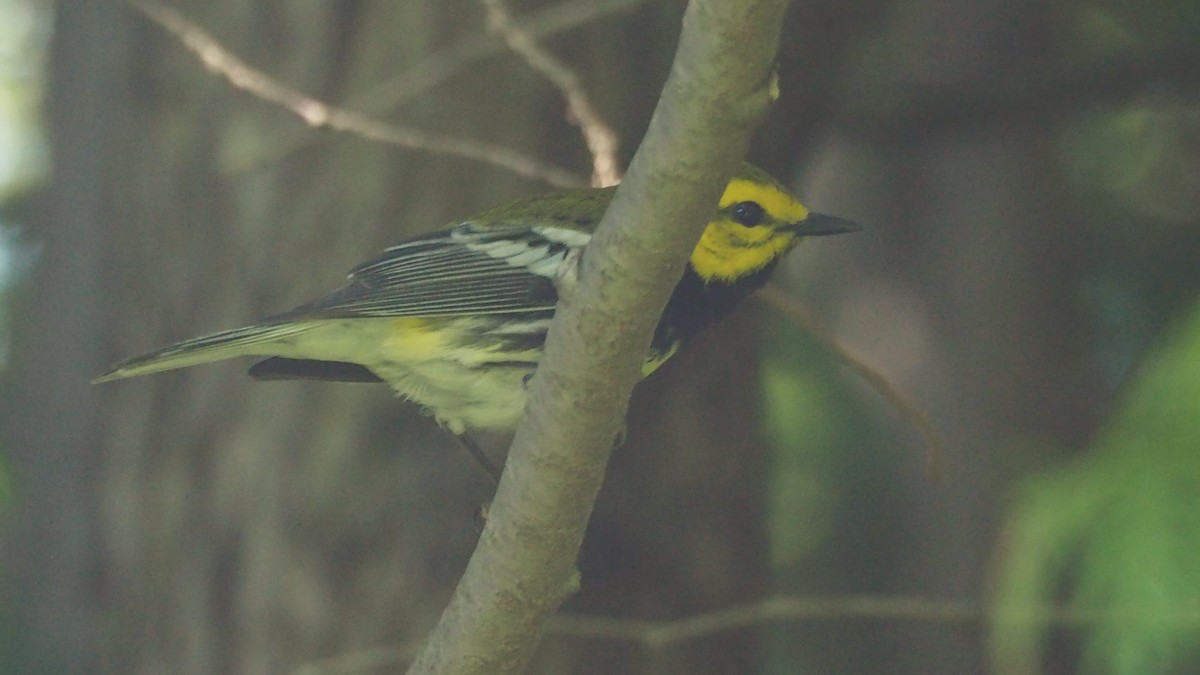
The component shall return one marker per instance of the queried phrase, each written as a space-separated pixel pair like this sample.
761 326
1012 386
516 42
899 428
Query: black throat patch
695 305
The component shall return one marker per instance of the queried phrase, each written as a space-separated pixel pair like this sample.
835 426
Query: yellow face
755 225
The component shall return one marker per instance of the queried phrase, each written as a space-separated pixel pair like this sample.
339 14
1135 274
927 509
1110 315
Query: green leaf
1117 533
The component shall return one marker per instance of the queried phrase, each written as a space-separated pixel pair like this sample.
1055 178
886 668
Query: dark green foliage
1116 533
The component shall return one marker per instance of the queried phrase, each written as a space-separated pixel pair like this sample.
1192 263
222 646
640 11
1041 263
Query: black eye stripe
749 214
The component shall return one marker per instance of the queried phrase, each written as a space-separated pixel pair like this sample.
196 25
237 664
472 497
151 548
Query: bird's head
757 222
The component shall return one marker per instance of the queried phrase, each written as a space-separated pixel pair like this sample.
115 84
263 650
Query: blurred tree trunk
198 522
967 312
49 416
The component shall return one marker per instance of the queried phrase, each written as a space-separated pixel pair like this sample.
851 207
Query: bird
455 320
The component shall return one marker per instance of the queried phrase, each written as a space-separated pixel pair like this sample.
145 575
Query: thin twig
658 634
318 114
383 659
446 63
441 66
601 139
794 309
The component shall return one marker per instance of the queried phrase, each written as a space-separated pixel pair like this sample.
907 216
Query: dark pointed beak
819 224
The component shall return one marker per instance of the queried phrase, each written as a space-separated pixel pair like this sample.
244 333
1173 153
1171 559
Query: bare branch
522 569
446 63
439 67
318 114
659 634
601 139
797 311
360 661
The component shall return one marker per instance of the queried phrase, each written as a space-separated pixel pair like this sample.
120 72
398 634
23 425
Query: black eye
748 213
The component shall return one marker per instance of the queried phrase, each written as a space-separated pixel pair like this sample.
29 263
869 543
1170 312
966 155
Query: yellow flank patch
778 204
414 339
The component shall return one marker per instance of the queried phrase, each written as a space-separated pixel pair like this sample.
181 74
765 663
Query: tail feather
251 340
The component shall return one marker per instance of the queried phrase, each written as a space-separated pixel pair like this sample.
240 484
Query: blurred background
1029 177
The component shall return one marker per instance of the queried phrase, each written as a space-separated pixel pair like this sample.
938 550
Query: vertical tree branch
720 86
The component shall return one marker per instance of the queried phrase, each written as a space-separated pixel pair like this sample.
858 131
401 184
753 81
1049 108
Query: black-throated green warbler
456 320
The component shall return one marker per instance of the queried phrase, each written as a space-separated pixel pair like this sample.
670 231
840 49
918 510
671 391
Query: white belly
464 372
461 397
